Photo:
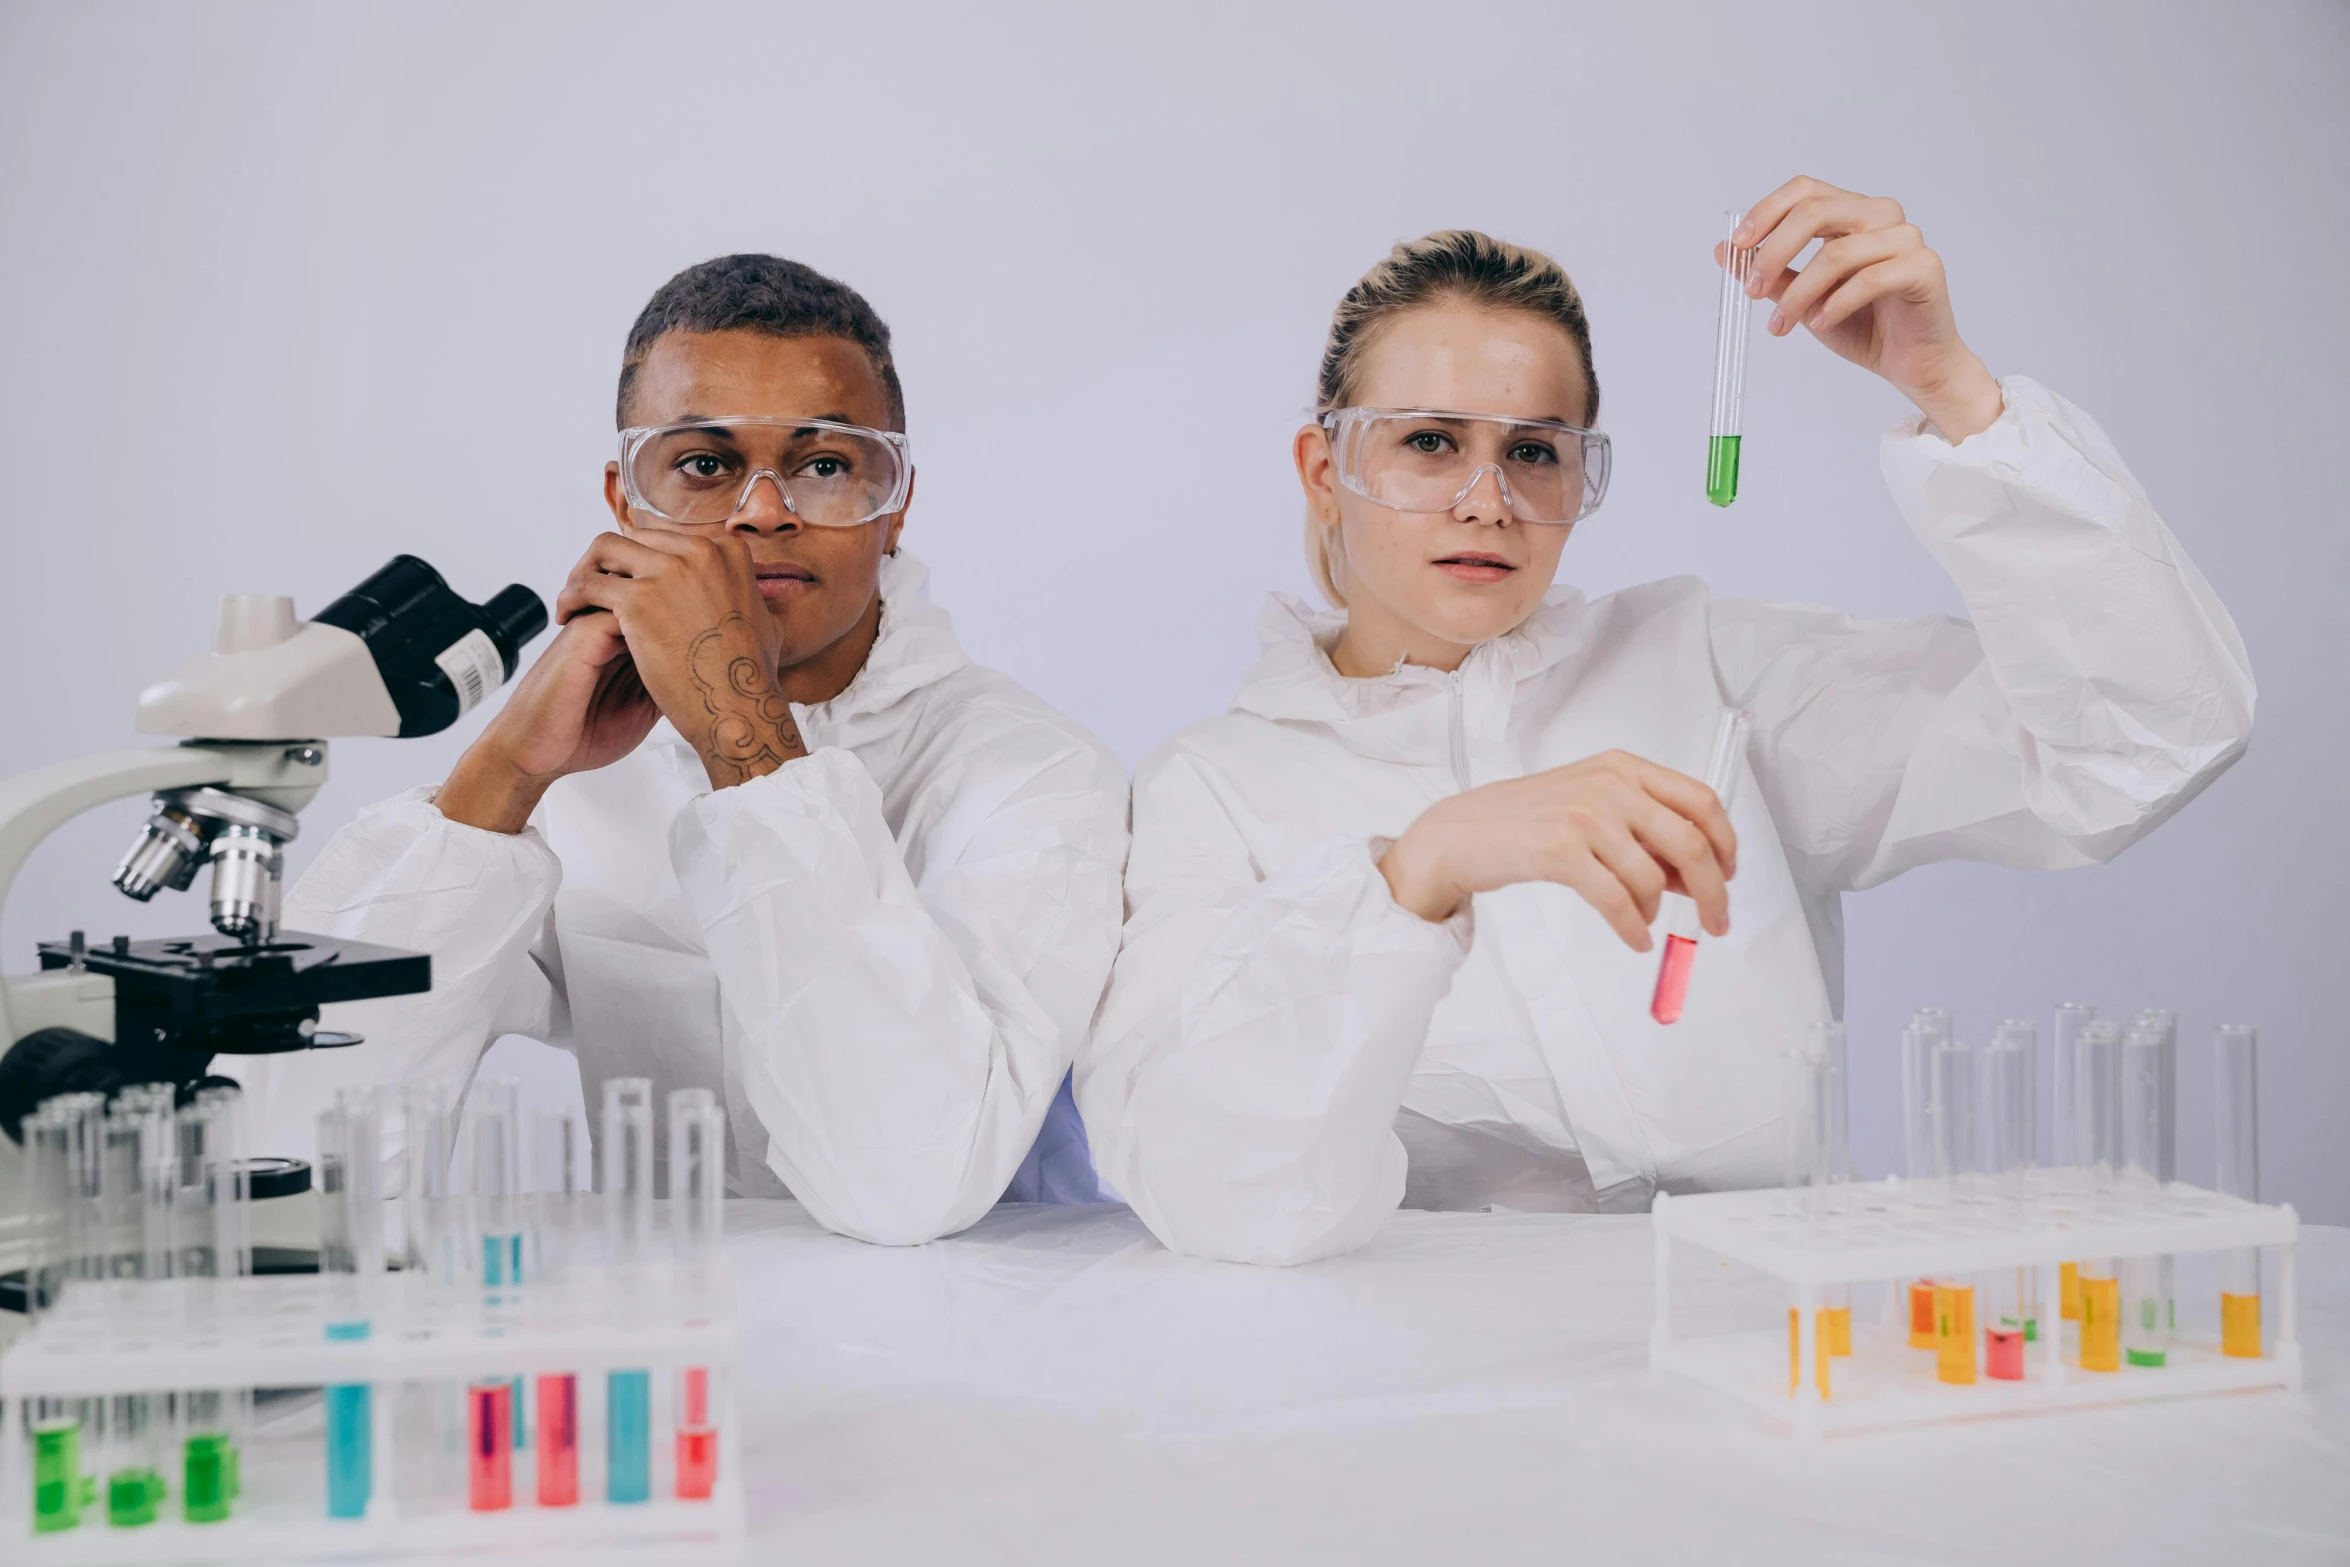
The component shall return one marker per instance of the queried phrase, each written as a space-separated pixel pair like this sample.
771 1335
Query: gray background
286 289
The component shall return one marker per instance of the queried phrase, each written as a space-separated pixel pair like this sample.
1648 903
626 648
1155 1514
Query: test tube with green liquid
1721 447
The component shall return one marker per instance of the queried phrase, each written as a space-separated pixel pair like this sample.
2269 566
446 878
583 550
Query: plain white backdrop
287 289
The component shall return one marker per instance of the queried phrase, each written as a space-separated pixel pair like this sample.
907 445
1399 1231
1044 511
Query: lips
782 579
1475 566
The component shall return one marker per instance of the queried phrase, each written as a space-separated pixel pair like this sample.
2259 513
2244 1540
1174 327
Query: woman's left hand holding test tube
1620 830
1874 293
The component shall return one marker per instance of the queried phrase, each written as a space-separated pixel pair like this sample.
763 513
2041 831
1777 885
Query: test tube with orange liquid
2010 1084
2235 1050
2097 1100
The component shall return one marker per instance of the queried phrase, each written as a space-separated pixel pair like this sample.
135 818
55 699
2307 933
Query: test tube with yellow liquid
2235 1052
2145 1300
2063 1136
1813 1165
1951 1118
2098 1099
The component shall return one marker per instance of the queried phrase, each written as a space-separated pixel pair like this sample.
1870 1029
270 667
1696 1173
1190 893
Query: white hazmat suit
882 955
1285 1054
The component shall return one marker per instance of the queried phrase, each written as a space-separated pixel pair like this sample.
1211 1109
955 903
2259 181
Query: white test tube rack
270 1333
1883 1231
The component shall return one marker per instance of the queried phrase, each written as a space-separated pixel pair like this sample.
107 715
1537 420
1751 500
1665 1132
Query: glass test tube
2145 1309
1953 1119
494 1229
141 1177
214 1420
53 1424
1723 770
1836 1141
1927 1027
2166 1022
433 1244
350 1255
2064 1153
2235 1116
1730 334
697 1187
2010 1071
628 1230
558 1147
2097 1136
1806 1115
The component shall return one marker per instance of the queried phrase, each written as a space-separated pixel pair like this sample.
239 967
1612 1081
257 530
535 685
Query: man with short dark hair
754 822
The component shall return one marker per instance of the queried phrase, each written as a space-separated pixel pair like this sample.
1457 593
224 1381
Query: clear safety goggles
700 473
1421 459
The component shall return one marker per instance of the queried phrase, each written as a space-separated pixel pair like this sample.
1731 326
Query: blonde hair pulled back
1456 265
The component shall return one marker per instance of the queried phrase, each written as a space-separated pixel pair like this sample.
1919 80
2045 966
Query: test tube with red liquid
1722 773
697 1186
489 1446
559 1181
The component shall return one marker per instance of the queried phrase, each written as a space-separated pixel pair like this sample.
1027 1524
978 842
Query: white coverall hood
882 956
1284 1054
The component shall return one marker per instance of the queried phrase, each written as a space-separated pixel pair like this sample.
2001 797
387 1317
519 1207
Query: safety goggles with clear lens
700 473
1422 459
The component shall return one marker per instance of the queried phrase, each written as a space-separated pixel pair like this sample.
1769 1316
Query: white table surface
1052 1385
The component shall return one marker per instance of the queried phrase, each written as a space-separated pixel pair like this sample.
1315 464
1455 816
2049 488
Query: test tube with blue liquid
350 1185
627 1151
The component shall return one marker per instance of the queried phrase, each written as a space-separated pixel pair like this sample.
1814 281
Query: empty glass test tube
2235 1129
628 1236
2097 1105
1723 769
1730 334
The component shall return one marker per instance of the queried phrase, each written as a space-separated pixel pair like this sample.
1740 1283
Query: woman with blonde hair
1387 935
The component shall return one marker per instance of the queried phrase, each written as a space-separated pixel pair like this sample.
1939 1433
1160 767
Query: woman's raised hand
1619 830
1874 293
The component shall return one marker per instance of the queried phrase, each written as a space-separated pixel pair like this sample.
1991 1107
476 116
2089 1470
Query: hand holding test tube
1722 773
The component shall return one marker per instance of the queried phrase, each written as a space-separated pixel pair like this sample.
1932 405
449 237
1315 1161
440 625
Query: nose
1485 498
762 507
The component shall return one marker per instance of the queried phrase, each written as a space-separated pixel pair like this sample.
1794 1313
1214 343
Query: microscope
401 654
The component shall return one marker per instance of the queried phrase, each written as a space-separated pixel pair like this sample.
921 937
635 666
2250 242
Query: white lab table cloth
1052 1385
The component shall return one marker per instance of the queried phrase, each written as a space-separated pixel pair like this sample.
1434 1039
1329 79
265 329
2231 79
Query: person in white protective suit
754 822
1387 936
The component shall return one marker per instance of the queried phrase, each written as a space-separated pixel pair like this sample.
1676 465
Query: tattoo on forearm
750 723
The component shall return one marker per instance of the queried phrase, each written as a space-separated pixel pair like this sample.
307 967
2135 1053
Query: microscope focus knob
249 621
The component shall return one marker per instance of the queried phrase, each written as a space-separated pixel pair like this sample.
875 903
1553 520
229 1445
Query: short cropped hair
753 293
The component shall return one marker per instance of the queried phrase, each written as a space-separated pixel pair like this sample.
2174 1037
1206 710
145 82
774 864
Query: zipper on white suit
1460 733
